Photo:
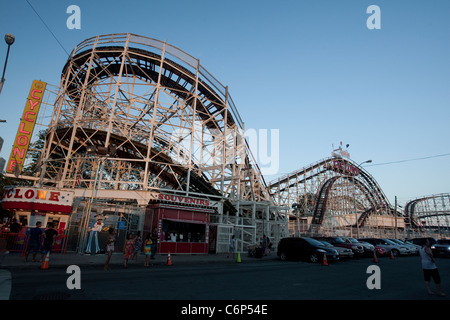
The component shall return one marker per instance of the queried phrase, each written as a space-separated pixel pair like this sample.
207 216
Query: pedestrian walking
49 237
34 241
12 236
110 241
154 238
232 247
264 245
147 249
127 250
430 269
137 246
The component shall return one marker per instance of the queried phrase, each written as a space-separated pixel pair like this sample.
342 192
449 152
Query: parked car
343 252
441 248
412 244
368 248
306 249
391 248
412 248
357 249
380 251
419 241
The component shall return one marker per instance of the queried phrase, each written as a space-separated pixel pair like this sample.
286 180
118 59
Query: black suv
305 249
441 248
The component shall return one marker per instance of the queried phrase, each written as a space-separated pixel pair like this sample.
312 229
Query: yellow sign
26 126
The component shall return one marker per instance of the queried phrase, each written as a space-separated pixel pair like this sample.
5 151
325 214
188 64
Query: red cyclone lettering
22 128
33 104
29 194
32 94
54 196
17 195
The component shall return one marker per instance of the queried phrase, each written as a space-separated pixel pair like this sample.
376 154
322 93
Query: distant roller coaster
334 193
430 212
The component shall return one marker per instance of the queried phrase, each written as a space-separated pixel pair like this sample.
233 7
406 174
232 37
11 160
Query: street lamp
9 39
367 161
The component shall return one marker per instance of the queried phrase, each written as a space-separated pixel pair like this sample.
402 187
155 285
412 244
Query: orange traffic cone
375 259
324 261
46 261
169 261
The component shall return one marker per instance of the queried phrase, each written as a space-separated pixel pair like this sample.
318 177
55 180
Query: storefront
182 224
30 205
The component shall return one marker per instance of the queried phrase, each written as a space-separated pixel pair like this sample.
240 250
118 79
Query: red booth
182 224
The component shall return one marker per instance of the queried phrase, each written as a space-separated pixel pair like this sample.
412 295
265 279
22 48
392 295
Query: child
147 249
127 250
109 247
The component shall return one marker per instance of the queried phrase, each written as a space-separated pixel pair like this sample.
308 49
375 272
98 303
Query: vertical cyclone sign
26 126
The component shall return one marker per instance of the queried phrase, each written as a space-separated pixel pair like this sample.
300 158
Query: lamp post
367 161
9 39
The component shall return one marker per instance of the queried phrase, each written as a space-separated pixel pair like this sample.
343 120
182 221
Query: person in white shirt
430 269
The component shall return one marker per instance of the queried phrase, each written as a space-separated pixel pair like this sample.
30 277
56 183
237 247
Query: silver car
412 248
391 247
343 252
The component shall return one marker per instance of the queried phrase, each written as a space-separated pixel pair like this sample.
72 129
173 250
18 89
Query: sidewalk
61 260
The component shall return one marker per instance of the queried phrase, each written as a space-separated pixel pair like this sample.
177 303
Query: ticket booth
182 224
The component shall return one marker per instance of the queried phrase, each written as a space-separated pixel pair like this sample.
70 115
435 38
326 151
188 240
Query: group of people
40 241
132 247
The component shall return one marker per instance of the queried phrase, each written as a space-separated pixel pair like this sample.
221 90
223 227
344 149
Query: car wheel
314 257
283 256
395 252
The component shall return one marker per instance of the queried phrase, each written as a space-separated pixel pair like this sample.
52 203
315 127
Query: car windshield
313 242
327 244
389 242
339 240
353 240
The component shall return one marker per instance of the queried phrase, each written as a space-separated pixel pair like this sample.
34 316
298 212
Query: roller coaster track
340 168
137 96
434 210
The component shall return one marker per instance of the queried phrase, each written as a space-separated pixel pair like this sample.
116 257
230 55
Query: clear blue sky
310 68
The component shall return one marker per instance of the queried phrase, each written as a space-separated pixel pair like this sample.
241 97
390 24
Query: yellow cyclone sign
26 126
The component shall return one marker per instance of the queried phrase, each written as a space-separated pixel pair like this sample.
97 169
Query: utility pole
395 218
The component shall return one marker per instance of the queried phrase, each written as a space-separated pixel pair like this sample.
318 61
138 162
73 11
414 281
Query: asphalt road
399 279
